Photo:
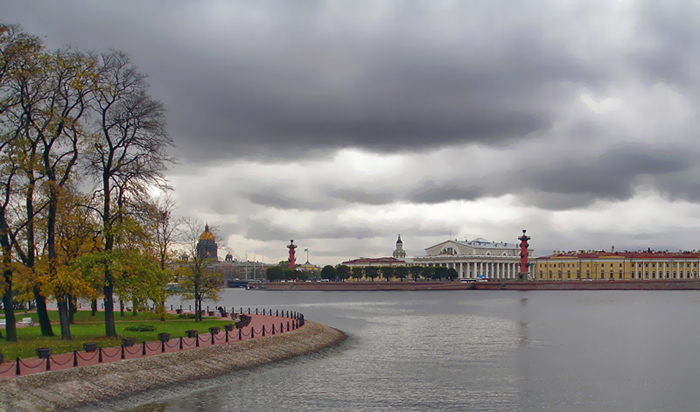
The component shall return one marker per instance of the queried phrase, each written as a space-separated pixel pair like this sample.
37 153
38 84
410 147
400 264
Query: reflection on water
468 350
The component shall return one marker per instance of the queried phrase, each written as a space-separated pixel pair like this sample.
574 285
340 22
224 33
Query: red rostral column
523 255
292 259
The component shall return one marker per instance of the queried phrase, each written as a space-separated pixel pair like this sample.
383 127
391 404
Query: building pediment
450 248
479 247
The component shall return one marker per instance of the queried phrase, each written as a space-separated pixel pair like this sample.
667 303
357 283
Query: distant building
478 258
207 247
399 252
627 265
398 259
382 261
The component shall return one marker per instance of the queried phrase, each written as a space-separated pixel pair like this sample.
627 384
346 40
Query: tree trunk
93 307
121 308
161 310
63 318
110 327
42 313
8 303
72 308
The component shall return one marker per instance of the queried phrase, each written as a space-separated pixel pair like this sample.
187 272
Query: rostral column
292 259
523 256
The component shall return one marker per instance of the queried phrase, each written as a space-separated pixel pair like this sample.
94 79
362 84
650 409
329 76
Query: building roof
480 243
639 254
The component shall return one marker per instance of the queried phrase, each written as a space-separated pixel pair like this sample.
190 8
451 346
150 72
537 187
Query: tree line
343 272
84 211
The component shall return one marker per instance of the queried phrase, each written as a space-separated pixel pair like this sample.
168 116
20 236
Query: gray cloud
480 99
432 192
282 88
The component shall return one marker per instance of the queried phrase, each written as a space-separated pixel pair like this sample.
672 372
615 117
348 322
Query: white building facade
478 258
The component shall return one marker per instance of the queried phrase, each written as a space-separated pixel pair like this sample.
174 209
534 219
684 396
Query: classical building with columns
624 265
474 259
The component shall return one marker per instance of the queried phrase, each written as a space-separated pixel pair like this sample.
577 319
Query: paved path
112 354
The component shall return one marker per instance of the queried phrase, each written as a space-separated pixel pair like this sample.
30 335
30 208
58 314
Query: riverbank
657 284
69 389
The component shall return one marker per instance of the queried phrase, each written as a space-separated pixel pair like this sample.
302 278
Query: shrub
141 328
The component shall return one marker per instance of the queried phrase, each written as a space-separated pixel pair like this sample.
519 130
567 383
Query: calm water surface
468 351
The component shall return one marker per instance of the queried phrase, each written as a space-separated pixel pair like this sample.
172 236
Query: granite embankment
651 284
68 389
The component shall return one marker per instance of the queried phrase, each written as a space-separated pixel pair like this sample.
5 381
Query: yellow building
602 265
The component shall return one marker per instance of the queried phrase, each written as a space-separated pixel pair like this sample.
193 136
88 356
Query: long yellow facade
601 265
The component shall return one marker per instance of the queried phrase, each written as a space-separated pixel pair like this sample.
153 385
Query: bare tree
162 228
128 154
198 279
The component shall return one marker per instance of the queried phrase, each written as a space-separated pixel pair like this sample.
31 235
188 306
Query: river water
468 351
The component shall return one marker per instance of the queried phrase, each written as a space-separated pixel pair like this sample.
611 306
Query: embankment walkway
70 389
267 324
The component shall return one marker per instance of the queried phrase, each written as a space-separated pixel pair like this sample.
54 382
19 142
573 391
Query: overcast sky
341 124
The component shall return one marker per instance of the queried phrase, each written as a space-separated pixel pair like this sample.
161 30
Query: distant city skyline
342 124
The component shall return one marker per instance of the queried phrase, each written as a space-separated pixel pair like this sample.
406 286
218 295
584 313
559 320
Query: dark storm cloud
291 80
366 195
394 100
265 230
306 80
568 183
268 231
668 41
286 201
432 192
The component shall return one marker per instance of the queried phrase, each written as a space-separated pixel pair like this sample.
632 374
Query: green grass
91 329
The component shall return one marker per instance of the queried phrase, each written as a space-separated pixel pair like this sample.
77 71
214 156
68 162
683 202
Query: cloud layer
342 124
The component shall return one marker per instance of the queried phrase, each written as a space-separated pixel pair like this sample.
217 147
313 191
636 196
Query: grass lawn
91 329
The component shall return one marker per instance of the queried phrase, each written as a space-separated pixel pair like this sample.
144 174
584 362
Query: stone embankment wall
671 284
68 389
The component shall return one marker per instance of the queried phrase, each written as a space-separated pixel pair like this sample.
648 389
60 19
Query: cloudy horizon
344 124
